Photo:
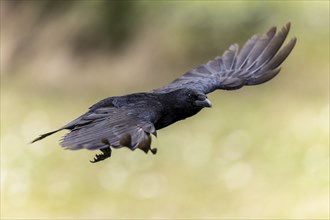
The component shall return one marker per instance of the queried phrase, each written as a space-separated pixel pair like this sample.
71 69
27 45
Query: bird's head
193 98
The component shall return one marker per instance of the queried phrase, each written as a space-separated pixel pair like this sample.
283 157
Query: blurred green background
260 153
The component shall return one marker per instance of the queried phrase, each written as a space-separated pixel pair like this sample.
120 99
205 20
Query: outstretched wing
110 126
257 62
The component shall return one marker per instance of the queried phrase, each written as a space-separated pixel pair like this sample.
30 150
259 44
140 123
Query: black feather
256 63
130 120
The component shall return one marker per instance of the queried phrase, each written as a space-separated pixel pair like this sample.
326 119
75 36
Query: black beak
205 103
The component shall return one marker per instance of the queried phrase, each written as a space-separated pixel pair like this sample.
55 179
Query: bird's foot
106 152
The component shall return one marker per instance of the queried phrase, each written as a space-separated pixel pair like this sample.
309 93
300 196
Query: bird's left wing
257 62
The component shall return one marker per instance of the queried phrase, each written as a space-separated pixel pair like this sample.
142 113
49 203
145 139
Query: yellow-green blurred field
260 153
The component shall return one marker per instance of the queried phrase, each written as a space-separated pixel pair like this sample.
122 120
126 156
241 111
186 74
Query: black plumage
130 120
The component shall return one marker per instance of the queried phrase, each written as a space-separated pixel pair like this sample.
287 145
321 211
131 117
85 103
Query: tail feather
42 136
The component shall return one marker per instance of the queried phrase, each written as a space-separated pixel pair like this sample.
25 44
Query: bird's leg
106 152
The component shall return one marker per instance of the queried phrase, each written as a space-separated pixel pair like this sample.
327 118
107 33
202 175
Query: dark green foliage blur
260 152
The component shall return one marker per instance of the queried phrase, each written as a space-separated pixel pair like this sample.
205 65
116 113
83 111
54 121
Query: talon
93 161
106 152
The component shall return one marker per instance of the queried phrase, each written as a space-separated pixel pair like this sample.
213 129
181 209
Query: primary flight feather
129 121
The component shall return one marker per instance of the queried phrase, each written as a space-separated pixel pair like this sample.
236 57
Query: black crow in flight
131 119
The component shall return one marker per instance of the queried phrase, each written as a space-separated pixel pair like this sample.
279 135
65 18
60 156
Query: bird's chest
171 117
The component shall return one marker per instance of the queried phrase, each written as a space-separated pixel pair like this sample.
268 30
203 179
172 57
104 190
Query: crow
130 120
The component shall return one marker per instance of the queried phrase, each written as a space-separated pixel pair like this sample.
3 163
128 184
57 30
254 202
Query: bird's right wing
257 62
109 126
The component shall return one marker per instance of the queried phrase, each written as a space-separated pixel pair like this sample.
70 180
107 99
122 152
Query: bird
131 120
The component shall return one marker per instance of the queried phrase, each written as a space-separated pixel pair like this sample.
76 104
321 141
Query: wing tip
286 29
293 40
271 32
288 25
264 78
